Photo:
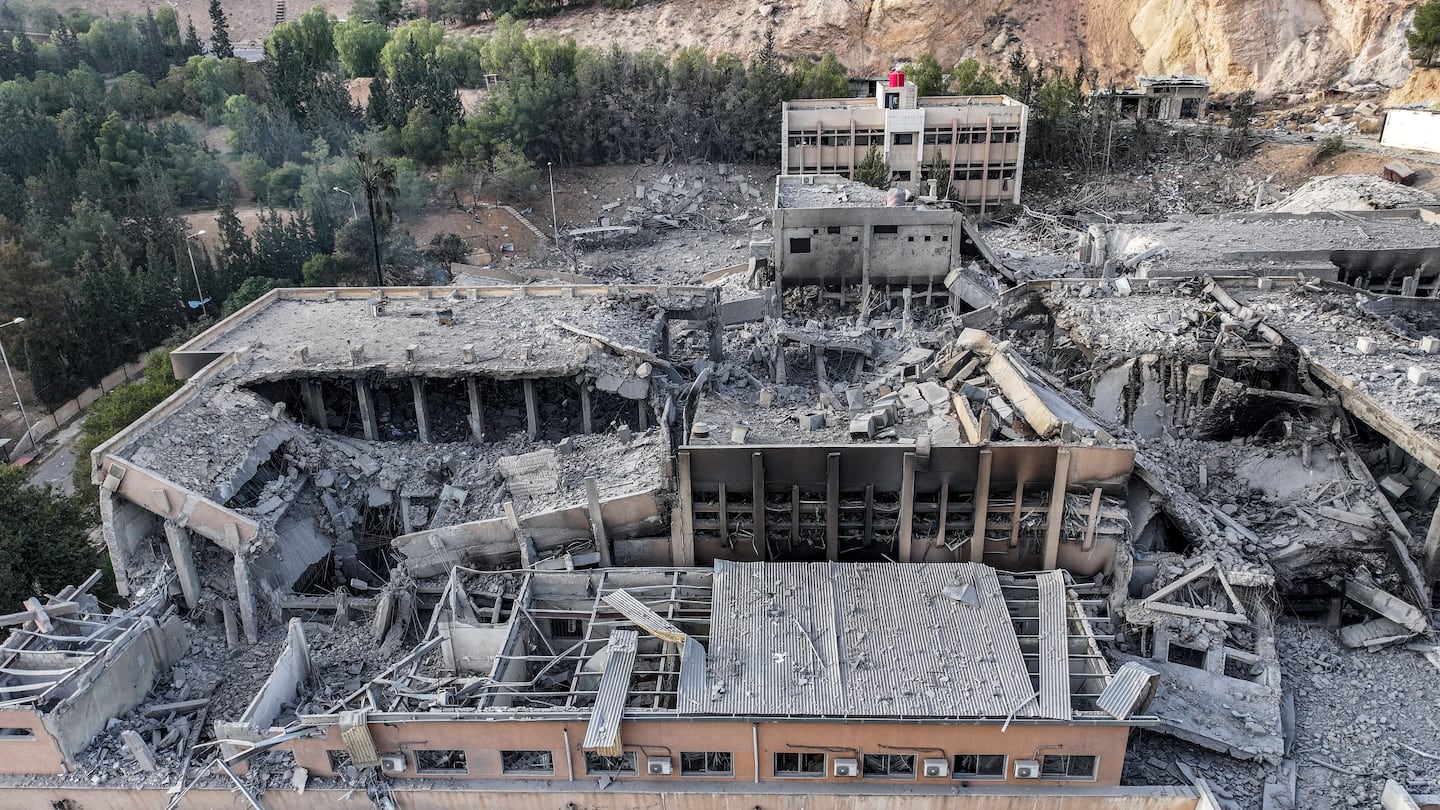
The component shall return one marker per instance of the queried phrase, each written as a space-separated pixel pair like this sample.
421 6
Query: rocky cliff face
1273 46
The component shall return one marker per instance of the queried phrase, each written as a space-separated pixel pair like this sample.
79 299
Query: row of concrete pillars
314 400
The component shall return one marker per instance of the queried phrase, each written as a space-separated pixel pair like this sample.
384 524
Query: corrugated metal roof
1054 647
861 640
652 622
603 733
1130 688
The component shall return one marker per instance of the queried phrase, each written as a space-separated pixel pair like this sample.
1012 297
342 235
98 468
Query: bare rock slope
1271 45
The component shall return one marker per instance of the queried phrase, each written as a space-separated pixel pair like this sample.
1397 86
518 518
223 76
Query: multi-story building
980 138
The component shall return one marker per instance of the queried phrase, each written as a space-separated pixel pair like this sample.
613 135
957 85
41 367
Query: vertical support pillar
314 402
1057 508
757 493
944 515
642 417
865 231
832 507
245 595
724 509
869 514
682 548
982 505
477 410
368 418
586 424
1432 548
907 508
597 520
184 556
717 338
422 417
794 516
296 637
532 411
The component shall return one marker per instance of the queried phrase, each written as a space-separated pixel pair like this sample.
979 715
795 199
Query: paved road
59 460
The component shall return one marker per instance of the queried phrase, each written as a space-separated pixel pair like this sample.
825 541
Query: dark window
832 229
14 734
902 177
927 239
977 174
440 761
1012 137
1063 766
799 244
997 137
807 764
889 766
945 238
567 628
979 766
938 137
1007 173
596 764
910 238
904 139
527 762
1186 656
707 763
887 229
339 760
854 239
862 140
994 174
892 101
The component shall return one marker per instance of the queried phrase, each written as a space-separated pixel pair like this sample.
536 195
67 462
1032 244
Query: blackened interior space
395 411
560 412
504 408
447 403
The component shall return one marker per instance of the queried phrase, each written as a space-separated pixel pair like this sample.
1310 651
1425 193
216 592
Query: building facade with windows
979 140
947 675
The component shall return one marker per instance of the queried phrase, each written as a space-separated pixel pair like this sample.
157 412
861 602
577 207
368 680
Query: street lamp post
354 213
24 417
196 273
554 220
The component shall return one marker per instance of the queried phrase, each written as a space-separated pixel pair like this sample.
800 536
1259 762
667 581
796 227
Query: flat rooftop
923 101
826 191
508 331
886 640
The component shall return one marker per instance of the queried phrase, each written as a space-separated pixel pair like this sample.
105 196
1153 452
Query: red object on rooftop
897 78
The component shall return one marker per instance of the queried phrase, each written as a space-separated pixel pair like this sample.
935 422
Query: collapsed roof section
1394 252
69 667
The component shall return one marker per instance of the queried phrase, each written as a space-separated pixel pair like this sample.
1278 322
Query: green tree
510 171
970 78
926 74
873 170
939 170
249 290
220 46
1425 39
359 44
377 177
1242 113
44 542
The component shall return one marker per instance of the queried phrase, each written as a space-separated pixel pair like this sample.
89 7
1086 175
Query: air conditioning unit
1027 769
936 768
845 766
392 763
658 766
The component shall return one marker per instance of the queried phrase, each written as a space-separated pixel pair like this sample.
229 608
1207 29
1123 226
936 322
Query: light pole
24 417
196 273
354 214
554 220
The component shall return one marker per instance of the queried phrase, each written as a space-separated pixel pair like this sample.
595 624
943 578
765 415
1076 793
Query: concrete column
907 508
111 512
757 493
180 551
314 402
597 521
296 634
832 507
477 410
532 411
682 547
245 595
865 231
1057 509
586 422
422 418
982 506
368 417
1432 548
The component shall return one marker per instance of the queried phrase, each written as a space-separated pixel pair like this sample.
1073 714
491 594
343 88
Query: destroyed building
982 138
1391 252
1159 98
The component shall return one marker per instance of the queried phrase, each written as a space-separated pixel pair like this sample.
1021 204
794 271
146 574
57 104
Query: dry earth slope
1273 46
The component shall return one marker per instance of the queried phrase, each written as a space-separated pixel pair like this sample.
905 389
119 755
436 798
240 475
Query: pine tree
190 46
25 60
1425 39
873 170
220 46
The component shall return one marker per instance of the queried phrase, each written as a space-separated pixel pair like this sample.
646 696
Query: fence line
13 427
